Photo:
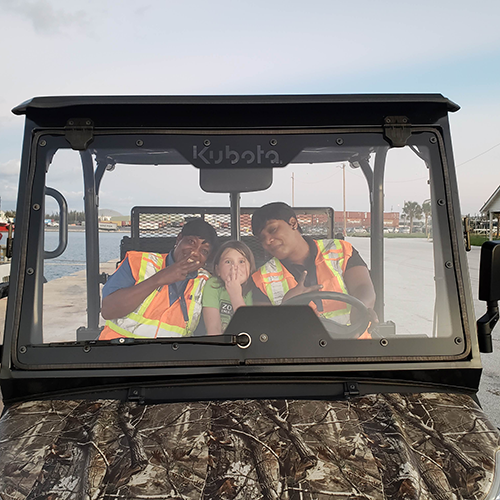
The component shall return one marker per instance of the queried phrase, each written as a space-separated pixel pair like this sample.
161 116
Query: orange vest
275 280
155 317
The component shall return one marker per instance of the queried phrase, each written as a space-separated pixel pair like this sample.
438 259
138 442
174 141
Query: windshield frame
45 356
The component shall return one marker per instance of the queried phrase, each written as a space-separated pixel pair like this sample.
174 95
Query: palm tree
426 207
412 210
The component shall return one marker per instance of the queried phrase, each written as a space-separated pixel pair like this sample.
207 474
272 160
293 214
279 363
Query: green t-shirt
215 295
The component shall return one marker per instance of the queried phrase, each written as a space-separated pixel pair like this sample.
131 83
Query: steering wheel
335 329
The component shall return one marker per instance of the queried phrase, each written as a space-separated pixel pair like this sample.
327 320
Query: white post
343 197
491 225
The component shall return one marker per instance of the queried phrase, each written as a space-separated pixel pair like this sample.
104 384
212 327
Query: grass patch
478 239
404 235
389 235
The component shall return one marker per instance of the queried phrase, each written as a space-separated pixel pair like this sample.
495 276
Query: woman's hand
372 316
300 288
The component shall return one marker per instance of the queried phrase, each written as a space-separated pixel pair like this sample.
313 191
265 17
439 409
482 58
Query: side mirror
489 291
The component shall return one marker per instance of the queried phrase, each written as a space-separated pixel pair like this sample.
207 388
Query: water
73 258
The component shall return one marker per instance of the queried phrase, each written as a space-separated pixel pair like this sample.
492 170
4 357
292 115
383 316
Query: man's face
279 237
192 247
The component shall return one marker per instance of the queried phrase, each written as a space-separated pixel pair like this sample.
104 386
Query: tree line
73 216
413 210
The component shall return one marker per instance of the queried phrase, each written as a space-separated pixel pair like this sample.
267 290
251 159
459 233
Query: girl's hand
232 283
234 288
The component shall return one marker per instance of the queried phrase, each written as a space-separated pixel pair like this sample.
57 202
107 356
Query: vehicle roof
240 111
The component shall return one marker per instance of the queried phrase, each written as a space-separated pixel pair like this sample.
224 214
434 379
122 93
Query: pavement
412 303
489 389
409 298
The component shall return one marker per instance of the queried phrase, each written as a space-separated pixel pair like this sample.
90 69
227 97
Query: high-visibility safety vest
155 317
275 280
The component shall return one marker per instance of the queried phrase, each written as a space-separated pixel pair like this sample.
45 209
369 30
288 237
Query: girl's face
232 261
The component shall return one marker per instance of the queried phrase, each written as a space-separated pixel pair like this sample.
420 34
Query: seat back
155 229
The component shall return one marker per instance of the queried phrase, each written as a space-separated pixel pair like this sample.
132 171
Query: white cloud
227 47
9 181
10 168
46 19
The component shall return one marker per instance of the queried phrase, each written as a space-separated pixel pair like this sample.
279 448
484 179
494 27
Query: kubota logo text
211 157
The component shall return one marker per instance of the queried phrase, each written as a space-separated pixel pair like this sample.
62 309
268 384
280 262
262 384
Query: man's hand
301 288
178 271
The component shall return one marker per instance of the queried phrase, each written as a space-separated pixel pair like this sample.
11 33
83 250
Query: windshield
287 246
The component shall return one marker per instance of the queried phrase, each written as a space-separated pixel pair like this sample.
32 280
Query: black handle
63 223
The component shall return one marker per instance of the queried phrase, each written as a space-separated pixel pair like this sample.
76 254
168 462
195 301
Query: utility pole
293 189
343 196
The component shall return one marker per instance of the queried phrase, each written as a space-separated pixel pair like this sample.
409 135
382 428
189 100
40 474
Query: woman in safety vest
159 295
301 264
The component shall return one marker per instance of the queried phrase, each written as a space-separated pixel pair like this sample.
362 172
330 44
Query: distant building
363 219
491 209
122 220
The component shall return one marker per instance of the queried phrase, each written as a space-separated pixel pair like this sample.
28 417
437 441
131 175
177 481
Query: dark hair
244 250
277 210
198 227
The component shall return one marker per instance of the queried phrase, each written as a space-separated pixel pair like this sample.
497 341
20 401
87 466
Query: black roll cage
77 120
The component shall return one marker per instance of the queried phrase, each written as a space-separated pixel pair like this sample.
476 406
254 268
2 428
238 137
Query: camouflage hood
433 446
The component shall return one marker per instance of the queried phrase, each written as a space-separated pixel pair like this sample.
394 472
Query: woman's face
233 263
279 238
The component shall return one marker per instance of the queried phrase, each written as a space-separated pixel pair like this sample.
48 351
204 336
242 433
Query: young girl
230 288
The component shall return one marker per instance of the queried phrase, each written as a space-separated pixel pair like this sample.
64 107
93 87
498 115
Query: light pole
343 196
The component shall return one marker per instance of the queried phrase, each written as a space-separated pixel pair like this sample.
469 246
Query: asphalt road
409 271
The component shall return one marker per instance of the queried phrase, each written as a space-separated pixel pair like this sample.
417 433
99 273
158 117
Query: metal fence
156 228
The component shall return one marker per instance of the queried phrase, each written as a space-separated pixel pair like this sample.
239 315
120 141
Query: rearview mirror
237 180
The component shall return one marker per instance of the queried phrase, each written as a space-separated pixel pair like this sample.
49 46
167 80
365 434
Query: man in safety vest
159 295
301 264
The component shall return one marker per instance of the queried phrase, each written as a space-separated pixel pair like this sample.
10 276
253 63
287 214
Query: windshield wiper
242 340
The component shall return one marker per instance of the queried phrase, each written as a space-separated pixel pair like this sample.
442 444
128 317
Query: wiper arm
239 340
242 340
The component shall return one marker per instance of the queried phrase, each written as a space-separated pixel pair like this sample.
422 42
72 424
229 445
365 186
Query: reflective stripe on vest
275 280
137 325
333 255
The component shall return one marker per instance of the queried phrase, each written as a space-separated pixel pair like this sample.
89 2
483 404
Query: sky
194 47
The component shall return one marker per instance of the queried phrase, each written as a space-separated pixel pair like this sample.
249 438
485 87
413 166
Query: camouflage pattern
432 446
